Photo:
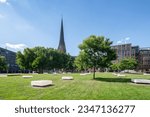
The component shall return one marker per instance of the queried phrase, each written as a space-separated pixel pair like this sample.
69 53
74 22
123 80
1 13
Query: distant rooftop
145 48
6 50
122 44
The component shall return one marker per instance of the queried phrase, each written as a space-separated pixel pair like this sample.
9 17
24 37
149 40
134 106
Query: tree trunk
94 73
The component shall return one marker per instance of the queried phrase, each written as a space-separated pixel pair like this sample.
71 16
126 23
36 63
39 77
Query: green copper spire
62 46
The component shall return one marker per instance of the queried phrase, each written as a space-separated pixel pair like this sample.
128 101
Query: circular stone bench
140 81
41 83
67 78
27 76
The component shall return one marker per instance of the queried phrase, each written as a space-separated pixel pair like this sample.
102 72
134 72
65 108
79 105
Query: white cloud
16 46
4 2
123 41
119 42
127 38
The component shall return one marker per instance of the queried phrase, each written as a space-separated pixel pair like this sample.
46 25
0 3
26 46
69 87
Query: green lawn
105 86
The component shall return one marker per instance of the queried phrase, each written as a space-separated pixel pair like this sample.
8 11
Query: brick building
125 51
144 59
142 55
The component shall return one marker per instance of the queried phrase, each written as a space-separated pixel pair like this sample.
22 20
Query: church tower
62 46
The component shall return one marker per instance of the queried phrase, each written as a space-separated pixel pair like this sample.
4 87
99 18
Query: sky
30 23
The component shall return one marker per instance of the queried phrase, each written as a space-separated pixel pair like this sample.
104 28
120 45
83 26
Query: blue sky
29 23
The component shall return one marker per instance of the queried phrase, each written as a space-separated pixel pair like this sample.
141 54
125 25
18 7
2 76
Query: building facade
125 51
142 55
144 59
10 59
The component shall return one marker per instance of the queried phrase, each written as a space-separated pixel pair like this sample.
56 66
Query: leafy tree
115 67
128 63
70 63
50 58
57 59
3 63
81 61
20 60
25 59
63 61
97 52
40 58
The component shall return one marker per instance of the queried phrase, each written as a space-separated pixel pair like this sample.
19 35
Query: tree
20 60
97 52
50 58
115 67
40 58
57 58
81 61
128 64
70 64
63 61
3 63
25 59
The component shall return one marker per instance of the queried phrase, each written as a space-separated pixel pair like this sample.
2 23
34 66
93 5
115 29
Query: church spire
62 46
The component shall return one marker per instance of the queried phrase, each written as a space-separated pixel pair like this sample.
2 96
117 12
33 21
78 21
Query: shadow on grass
121 80
14 75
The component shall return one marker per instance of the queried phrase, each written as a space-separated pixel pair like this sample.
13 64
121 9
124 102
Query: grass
105 87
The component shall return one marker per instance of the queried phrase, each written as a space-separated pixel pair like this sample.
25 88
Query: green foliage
70 63
95 53
3 63
25 59
81 61
125 64
115 67
20 60
128 63
40 58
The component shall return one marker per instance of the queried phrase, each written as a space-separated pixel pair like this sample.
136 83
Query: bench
121 75
67 78
140 81
41 83
27 76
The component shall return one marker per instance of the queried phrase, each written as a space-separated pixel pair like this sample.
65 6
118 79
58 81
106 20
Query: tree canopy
128 64
95 53
81 61
115 67
125 64
40 58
